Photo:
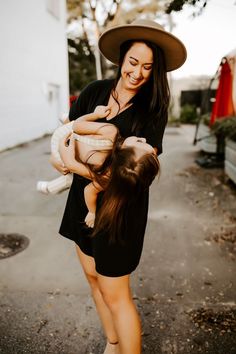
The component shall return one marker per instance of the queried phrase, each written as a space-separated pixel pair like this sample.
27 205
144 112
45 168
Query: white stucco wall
33 69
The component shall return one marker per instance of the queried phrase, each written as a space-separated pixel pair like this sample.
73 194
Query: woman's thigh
113 289
87 263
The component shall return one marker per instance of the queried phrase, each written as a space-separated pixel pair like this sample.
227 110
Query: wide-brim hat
174 50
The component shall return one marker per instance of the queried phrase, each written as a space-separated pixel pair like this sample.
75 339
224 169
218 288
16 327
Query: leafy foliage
81 64
205 118
177 5
188 114
225 127
100 12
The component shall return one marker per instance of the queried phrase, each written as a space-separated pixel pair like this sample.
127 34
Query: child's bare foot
112 348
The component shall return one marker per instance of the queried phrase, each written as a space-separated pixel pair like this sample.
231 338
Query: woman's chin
129 84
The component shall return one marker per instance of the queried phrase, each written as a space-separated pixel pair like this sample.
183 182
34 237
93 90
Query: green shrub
174 121
225 127
205 119
188 114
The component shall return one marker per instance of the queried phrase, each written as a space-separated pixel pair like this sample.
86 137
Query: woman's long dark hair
154 96
129 179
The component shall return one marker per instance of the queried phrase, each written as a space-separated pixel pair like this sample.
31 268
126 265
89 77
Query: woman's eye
132 63
147 67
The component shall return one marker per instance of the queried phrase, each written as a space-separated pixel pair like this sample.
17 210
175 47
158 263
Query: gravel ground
184 287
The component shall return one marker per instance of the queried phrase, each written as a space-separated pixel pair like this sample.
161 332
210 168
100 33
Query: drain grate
11 244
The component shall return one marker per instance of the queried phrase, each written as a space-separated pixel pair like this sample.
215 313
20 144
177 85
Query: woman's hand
67 153
58 165
102 111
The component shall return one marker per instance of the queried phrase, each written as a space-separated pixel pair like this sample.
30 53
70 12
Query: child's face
139 144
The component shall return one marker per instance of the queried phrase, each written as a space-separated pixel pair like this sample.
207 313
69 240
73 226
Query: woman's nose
138 72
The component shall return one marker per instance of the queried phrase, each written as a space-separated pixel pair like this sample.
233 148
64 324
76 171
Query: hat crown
148 23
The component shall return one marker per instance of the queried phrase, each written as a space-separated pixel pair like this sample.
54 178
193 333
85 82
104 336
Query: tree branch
177 5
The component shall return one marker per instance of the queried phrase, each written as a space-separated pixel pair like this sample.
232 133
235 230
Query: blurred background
49 53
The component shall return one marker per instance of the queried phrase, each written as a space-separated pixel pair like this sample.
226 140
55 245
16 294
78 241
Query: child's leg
55 186
58 134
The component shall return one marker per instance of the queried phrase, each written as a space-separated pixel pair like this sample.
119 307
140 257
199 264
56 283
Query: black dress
111 259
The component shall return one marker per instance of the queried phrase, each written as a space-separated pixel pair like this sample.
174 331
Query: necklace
118 105
116 109
121 103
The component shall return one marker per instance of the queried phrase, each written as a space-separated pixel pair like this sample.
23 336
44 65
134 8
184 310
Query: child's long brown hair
129 178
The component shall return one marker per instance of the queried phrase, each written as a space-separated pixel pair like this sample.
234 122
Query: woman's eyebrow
137 61
133 58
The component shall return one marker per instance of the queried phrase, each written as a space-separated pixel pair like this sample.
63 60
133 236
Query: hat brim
174 50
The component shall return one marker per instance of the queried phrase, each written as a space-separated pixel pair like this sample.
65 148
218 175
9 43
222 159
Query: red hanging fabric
223 105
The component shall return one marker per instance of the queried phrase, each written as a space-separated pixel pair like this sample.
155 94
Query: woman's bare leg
117 295
104 313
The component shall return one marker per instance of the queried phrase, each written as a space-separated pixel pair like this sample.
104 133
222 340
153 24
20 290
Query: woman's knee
111 300
115 294
88 265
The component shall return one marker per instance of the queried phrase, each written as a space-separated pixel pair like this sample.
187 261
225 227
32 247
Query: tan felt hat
174 50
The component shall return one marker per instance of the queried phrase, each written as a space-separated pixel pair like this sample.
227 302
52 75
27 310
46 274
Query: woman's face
137 66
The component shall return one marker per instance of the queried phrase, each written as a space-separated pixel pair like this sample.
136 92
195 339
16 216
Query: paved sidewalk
184 286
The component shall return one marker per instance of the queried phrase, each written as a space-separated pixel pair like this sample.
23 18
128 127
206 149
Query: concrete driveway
184 286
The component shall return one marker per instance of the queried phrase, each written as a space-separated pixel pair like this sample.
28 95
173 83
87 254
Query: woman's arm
67 153
59 166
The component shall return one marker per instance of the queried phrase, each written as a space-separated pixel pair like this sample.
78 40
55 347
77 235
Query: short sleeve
91 96
78 107
81 105
154 134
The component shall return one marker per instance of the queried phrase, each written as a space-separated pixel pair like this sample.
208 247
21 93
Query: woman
111 162
138 100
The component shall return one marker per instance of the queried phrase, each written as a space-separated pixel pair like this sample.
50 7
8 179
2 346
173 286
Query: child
98 146
63 182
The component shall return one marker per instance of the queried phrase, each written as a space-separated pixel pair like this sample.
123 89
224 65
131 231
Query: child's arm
86 125
90 195
99 112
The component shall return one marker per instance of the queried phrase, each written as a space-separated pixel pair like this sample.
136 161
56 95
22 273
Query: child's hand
89 220
102 111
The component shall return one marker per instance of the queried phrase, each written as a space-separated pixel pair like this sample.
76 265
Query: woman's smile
137 66
133 80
